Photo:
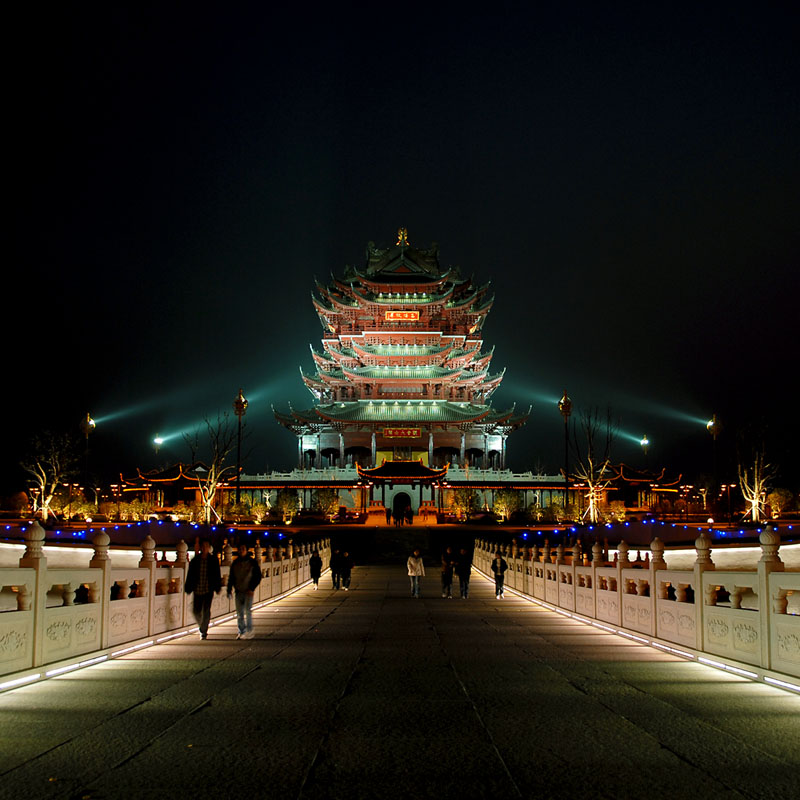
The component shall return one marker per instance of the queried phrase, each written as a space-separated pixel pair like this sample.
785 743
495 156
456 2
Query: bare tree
754 479
53 459
593 439
220 443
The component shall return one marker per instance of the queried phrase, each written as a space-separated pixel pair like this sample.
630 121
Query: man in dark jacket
345 570
204 580
464 570
448 565
499 567
243 578
315 568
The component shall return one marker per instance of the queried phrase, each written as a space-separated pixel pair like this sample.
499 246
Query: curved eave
393 472
341 359
468 377
463 359
462 301
383 272
321 308
439 354
437 280
485 308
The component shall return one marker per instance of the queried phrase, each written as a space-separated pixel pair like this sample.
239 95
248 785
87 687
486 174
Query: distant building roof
402 472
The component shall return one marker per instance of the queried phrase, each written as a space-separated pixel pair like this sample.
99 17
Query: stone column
35 559
702 564
770 562
102 561
179 569
148 562
597 562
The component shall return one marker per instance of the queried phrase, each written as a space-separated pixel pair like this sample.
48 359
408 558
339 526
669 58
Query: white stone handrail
749 616
50 616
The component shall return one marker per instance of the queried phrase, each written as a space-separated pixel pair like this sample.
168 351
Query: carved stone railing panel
784 621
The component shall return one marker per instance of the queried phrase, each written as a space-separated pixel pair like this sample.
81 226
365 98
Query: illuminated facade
402 374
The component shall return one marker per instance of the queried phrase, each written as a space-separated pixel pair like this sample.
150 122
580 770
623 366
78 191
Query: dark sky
628 181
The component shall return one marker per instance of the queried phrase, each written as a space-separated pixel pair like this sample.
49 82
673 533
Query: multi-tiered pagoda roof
402 354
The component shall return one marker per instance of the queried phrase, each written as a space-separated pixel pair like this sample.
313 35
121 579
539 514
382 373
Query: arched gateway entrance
401 502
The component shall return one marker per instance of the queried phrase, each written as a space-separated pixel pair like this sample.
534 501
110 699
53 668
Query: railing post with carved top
597 562
703 563
258 555
102 588
182 567
148 562
657 563
770 561
34 558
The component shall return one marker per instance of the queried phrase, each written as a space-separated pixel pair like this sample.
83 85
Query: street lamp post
645 443
714 427
240 409
87 426
565 409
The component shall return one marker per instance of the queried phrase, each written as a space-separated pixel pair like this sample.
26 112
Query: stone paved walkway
373 694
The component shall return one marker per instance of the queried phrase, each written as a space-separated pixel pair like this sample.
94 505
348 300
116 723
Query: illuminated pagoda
402 374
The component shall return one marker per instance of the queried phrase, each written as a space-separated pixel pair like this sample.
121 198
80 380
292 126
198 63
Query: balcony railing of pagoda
745 620
404 299
53 619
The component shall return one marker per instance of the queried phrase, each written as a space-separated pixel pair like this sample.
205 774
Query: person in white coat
416 571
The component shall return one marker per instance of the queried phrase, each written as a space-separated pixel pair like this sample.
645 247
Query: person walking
416 571
315 568
336 577
203 580
499 567
463 570
345 570
244 576
448 565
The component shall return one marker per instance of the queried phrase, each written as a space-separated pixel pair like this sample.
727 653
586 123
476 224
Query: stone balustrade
749 617
49 616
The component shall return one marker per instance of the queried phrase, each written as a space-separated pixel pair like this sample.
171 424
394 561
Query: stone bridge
372 693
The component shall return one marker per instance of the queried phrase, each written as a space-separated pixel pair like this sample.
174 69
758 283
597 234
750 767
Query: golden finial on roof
402 237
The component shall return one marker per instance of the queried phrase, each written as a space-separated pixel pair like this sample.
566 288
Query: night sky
627 181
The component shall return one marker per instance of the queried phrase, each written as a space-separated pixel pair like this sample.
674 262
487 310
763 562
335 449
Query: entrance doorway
401 503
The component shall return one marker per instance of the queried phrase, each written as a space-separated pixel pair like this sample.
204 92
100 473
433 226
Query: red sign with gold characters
402 316
402 433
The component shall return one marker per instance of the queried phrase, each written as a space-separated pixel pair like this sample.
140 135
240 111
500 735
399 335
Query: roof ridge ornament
402 238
